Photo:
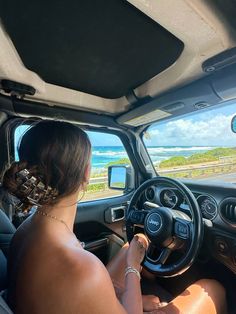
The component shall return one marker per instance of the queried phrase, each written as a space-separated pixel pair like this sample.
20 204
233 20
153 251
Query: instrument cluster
172 198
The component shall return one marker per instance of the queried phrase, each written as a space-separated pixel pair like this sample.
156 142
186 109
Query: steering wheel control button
181 230
137 217
154 223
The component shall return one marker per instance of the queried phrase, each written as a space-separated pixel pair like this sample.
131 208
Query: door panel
101 238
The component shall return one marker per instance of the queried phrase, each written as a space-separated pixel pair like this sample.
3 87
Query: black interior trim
94 245
30 108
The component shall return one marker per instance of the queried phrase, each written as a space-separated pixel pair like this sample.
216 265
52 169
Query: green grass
95 187
173 161
211 155
122 161
98 174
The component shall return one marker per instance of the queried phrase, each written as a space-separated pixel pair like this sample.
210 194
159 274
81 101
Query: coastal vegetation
97 187
122 161
208 156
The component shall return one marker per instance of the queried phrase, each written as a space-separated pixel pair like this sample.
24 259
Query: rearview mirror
233 124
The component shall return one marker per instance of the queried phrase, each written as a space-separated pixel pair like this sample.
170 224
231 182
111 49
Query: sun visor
134 119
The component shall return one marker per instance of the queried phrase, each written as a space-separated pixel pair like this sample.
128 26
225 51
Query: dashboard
217 203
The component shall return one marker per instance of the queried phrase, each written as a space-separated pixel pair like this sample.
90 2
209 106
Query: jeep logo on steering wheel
154 223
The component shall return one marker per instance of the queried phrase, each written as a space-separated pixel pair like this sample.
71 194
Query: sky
96 138
104 139
205 128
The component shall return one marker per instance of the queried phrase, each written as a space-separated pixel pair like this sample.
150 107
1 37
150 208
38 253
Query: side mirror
120 177
233 124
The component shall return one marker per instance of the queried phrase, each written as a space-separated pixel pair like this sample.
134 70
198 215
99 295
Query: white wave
109 153
157 150
95 164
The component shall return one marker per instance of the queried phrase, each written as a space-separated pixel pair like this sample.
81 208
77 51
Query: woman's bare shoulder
80 260
87 284
84 266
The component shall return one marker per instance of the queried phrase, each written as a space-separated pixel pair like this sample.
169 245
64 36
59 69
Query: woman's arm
132 296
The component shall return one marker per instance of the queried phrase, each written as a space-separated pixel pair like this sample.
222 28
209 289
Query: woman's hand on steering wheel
136 251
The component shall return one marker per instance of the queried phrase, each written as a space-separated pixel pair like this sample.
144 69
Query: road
225 177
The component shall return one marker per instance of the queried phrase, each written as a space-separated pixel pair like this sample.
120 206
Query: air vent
150 193
228 210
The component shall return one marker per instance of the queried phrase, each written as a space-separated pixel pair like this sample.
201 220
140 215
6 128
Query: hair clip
34 189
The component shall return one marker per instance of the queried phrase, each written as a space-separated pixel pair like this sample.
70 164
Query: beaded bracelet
133 270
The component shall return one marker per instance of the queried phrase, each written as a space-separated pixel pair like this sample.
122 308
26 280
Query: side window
107 150
19 131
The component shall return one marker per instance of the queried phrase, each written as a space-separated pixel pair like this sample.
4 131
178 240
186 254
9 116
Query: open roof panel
104 48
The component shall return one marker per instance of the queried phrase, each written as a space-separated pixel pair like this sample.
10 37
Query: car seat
7 231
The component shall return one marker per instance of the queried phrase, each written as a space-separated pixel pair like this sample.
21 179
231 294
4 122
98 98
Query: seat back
4 308
7 231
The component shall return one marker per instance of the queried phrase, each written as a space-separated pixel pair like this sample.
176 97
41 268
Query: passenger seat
7 231
4 308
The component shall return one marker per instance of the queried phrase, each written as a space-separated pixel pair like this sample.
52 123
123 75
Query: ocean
102 155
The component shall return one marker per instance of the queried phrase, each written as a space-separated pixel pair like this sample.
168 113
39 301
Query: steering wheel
167 229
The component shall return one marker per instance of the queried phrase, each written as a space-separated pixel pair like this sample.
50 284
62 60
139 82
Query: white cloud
213 130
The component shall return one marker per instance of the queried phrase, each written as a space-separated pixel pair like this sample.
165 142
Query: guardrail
226 159
98 180
202 168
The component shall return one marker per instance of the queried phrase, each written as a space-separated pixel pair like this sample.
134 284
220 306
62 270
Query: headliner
104 48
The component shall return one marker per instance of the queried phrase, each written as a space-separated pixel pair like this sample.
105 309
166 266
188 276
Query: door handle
114 214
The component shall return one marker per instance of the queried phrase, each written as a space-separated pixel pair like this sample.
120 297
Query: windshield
199 146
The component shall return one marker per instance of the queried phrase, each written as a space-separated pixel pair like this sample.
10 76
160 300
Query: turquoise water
102 155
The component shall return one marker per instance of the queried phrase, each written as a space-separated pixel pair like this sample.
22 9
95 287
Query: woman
49 271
